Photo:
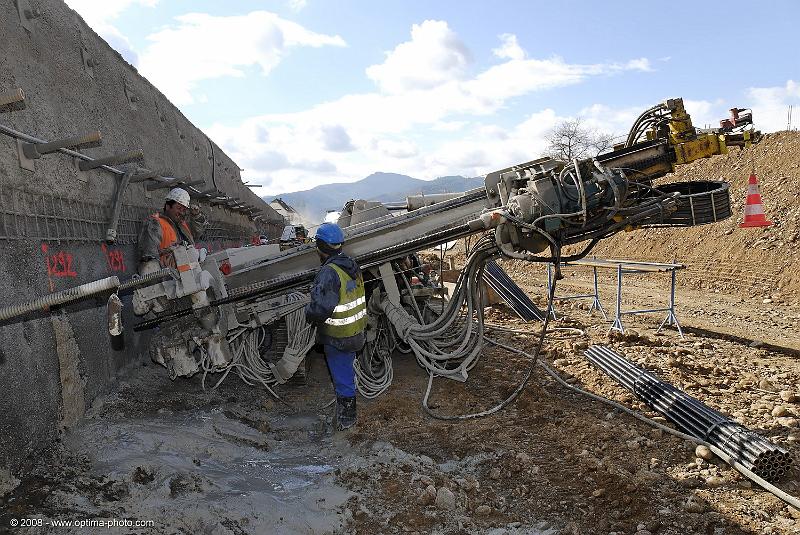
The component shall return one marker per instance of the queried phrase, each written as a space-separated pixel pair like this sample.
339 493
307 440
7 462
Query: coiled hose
450 345
373 366
247 344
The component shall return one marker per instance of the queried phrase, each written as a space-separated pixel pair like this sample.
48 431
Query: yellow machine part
702 146
680 123
677 144
748 138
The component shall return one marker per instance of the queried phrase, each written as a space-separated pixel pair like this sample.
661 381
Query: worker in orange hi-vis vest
161 231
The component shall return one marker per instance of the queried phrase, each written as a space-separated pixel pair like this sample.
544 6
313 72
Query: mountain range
314 203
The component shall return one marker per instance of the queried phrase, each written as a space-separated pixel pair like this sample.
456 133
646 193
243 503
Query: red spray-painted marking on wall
115 259
59 264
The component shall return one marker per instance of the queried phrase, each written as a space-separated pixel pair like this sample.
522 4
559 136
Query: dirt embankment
732 259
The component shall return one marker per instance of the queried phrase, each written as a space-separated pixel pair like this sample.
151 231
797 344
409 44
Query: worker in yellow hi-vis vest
339 309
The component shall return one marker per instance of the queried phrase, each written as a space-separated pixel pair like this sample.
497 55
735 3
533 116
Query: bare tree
570 139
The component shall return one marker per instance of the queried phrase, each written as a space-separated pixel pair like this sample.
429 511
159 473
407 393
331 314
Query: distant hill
386 187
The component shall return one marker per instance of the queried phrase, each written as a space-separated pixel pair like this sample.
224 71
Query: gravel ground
233 461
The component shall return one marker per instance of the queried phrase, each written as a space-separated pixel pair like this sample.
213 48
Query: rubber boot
345 412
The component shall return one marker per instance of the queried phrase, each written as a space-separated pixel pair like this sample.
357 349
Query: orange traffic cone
753 209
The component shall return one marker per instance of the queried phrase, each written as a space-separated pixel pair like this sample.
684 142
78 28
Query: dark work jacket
325 297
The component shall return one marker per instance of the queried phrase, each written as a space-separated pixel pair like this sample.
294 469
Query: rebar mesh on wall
26 215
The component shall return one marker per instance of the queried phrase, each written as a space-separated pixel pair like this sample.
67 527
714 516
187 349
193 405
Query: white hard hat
180 196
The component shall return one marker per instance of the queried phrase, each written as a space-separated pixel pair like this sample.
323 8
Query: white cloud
509 49
336 139
616 121
362 114
706 113
397 149
480 150
639 64
410 125
434 55
449 126
492 132
269 160
462 155
99 15
297 5
521 76
770 106
492 147
317 166
202 47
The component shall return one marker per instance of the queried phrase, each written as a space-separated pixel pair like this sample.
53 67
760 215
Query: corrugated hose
59 298
79 292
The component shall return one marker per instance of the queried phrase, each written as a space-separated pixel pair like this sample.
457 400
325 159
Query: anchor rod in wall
146 174
11 97
174 183
34 151
116 159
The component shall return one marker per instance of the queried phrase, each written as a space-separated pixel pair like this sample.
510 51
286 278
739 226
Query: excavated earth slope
730 258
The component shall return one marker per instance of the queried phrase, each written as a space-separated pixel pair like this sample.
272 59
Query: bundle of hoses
753 451
373 365
700 202
650 118
246 361
246 345
450 345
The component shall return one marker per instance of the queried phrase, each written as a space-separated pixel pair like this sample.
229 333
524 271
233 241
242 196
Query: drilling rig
241 309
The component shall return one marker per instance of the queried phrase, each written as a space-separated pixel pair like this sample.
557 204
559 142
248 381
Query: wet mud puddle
203 472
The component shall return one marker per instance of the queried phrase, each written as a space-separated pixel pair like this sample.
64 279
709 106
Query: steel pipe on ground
719 424
752 450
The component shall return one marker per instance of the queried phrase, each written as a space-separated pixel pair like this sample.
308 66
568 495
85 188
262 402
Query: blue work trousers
340 363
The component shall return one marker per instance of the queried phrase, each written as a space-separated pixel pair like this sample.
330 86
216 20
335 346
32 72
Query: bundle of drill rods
753 451
517 299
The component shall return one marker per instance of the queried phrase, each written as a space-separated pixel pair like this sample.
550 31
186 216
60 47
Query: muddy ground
234 461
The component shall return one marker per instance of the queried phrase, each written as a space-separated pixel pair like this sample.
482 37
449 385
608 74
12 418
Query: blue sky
306 92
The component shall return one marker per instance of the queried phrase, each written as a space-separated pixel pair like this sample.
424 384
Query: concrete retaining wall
53 220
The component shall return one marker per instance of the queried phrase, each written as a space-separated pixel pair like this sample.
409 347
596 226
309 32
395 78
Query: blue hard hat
330 233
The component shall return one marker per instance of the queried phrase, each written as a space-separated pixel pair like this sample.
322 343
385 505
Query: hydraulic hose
518 390
638 123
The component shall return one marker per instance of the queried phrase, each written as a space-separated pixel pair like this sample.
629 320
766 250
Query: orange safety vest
169 237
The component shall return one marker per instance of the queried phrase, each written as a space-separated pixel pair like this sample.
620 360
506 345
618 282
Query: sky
307 92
